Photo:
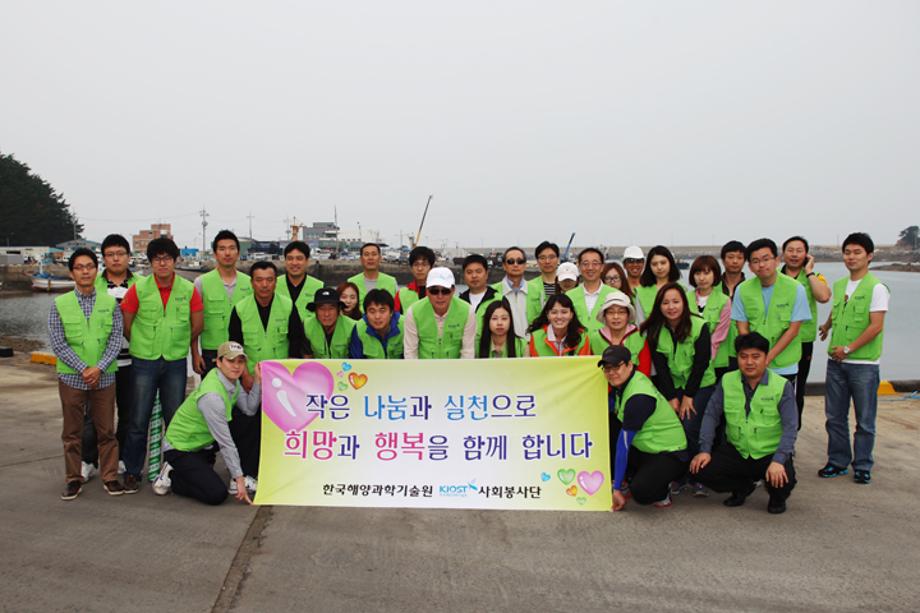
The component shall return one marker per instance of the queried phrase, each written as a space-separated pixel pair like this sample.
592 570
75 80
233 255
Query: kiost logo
458 491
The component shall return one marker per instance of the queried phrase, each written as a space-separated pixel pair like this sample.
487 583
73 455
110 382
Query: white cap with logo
567 271
440 276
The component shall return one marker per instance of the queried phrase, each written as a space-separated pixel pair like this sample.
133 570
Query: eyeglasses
612 278
591 264
115 254
633 261
82 267
513 261
438 291
548 258
162 259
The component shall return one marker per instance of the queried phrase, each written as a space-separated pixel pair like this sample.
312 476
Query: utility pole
204 225
250 224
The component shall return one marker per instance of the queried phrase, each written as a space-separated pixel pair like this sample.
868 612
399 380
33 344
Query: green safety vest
372 345
159 332
546 349
809 330
103 286
87 337
269 342
335 349
662 432
757 434
771 323
449 343
711 312
407 297
520 348
589 320
646 295
851 317
634 341
217 306
384 281
536 298
188 430
481 310
307 292
680 357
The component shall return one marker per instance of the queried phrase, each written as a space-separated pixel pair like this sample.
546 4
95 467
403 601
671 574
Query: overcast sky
672 122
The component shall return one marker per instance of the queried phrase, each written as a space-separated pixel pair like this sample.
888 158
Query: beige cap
617 298
230 350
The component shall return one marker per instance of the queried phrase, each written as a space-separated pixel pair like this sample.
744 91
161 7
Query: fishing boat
46 282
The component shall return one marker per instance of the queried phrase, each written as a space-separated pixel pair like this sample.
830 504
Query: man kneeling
761 421
202 420
650 426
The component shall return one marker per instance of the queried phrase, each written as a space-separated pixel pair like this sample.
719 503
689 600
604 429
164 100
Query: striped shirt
65 353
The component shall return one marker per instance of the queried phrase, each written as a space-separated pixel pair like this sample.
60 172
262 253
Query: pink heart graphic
284 395
590 482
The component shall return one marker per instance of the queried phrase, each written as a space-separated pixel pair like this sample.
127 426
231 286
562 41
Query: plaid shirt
65 353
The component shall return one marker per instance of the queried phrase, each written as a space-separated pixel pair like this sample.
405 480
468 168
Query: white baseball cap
567 270
633 252
440 276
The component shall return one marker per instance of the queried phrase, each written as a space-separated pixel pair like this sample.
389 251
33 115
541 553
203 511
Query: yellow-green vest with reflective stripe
87 337
159 332
757 434
217 306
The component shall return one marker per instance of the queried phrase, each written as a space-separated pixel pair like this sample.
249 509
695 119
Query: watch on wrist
811 274
846 350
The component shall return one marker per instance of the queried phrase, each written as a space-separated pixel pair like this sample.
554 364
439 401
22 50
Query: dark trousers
651 474
123 403
808 350
193 475
210 360
694 422
729 472
247 436
100 404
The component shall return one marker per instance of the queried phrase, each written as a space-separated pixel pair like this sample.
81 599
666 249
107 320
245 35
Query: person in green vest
114 280
379 334
514 288
590 295
682 356
566 278
421 260
800 265
439 326
297 285
348 294
618 317
634 263
371 276
541 287
557 331
660 269
773 305
714 307
202 426
856 325
162 313
220 288
476 276
761 423
268 327
329 332
497 339
85 330
732 256
647 441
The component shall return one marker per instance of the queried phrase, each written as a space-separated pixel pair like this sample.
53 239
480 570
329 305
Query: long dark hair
573 334
656 321
648 277
624 280
485 339
354 313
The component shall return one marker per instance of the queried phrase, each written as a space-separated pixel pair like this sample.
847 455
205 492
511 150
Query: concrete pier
839 547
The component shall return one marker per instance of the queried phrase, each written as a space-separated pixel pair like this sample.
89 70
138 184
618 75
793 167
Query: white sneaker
250 483
163 483
121 467
88 471
232 488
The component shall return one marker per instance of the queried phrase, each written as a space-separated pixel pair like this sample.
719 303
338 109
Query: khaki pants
102 409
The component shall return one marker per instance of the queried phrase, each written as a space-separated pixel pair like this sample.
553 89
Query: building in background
143 237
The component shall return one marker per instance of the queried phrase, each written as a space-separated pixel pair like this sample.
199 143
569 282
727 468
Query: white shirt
591 297
517 298
475 299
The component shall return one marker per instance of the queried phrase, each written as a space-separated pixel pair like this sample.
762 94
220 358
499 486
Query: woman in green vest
329 332
617 314
202 420
681 354
557 331
660 269
379 334
348 293
715 308
498 339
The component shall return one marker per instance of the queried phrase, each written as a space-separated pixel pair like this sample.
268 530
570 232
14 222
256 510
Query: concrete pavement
839 547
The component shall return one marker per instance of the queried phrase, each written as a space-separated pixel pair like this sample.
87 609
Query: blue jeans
843 382
151 376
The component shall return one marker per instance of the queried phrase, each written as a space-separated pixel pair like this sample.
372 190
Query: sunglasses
519 261
633 261
438 291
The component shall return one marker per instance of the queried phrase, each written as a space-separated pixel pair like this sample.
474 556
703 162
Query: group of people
706 383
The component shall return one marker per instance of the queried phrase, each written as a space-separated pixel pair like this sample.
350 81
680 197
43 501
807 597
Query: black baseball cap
325 295
615 355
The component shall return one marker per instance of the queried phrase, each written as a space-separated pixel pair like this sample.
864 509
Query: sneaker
737 498
72 490
163 483
863 477
676 487
113 488
699 490
121 467
830 471
251 485
88 471
775 507
664 503
131 484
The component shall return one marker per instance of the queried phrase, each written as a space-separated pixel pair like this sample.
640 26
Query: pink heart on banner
590 482
284 395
